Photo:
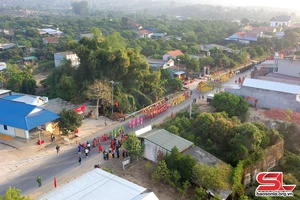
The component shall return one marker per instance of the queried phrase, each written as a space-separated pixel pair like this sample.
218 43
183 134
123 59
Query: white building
101 185
158 142
282 20
269 94
62 56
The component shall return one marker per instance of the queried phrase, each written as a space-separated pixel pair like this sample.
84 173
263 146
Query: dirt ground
136 173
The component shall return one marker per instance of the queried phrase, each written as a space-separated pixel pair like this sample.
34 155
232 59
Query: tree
80 7
206 176
99 91
133 145
13 194
232 104
69 121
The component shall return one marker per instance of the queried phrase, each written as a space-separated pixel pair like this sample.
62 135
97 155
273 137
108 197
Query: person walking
86 152
79 160
39 181
57 148
52 137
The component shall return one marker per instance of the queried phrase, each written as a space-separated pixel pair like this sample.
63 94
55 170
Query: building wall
20 133
10 130
278 24
166 56
272 156
60 57
268 99
289 67
152 151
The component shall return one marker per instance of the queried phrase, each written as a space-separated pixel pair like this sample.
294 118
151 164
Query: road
66 162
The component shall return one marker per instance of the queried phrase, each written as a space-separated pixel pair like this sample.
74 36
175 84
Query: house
51 32
288 66
172 55
206 49
50 40
144 33
245 37
282 20
99 184
270 94
87 35
158 142
30 59
18 119
62 56
158 35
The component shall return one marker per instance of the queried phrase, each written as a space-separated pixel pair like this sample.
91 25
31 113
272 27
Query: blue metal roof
24 116
11 97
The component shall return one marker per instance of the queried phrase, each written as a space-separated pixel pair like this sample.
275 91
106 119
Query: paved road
66 162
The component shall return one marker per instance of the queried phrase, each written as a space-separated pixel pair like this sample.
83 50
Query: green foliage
13 194
149 168
108 170
21 81
237 177
183 164
80 7
233 105
69 121
200 193
161 173
213 177
133 145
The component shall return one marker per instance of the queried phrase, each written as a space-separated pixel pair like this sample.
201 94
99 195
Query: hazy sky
292 4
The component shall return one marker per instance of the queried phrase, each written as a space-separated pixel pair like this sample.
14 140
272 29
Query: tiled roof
175 53
51 39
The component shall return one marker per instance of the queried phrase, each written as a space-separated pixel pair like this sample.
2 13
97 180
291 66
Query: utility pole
112 97
190 109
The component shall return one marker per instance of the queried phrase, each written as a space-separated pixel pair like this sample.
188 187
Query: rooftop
94 185
166 140
272 86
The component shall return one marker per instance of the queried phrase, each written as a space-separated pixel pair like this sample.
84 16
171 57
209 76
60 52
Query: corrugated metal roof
270 85
24 116
96 184
166 139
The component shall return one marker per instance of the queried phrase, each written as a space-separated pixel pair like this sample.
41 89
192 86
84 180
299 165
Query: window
5 127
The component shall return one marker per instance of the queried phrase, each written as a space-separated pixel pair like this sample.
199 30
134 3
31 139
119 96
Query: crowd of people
113 151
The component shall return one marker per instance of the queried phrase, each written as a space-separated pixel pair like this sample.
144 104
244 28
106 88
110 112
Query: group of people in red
156 109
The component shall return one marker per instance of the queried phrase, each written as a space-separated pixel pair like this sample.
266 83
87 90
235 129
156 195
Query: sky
291 4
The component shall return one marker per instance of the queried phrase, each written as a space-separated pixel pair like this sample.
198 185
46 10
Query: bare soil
137 174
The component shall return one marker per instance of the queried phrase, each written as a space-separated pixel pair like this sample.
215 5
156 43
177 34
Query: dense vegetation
239 144
115 53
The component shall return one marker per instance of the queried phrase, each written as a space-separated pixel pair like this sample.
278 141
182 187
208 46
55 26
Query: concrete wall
271 158
152 151
268 99
10 130
289 67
